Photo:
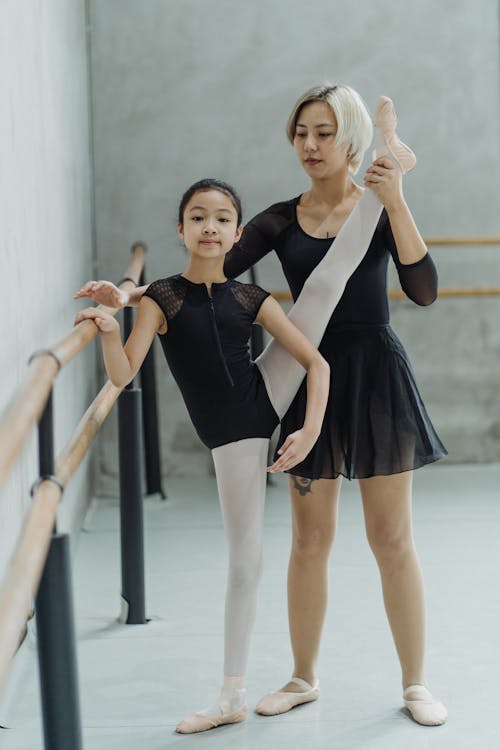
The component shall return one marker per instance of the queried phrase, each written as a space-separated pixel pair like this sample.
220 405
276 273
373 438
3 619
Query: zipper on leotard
217 340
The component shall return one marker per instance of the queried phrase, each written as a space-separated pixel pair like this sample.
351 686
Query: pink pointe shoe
201 722
423 707
279 702
386 123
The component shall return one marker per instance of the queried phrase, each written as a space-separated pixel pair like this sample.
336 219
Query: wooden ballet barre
466 291
79 444
25 569
26 406
31 404
457 241
83 334
283 295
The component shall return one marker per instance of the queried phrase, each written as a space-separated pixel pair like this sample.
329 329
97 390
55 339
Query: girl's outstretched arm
298 444
123 362
108 294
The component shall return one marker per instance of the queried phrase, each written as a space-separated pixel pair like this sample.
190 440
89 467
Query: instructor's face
315 133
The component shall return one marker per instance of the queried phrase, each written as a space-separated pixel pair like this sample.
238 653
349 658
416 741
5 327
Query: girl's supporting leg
241 480
387 505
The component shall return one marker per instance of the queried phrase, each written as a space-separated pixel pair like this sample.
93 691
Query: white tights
241 481
240 467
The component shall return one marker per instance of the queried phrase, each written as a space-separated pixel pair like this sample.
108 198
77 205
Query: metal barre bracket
46 478
40 352
127 278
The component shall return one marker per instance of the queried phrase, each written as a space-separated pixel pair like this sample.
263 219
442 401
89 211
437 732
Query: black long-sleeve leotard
365 298
207 350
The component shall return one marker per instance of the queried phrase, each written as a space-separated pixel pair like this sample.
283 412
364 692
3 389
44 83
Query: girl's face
210 224
315 133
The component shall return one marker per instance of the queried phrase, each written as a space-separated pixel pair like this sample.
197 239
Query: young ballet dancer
204 321
376 428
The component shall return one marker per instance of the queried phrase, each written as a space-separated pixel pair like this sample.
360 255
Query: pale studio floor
136 682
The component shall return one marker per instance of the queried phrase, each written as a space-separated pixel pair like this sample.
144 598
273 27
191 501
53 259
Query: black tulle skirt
375 423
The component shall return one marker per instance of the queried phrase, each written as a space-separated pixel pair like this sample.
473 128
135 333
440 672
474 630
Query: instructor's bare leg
387 505
314 521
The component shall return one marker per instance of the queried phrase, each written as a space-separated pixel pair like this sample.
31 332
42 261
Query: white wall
45 223
195 88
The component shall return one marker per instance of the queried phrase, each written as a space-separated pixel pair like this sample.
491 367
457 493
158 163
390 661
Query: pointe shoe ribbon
279 702
423 707
201 722
386 122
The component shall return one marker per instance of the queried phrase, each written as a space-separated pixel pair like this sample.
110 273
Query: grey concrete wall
45 225
191 88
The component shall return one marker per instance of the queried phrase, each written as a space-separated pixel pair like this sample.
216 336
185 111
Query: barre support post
55 624
151 432
131 511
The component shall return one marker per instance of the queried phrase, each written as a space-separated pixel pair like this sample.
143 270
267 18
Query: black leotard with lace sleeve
365 296
207 350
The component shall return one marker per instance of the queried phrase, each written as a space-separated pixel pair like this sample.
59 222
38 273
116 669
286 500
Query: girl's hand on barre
104 293
103 320
295 448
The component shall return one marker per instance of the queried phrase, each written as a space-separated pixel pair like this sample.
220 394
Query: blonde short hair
354 125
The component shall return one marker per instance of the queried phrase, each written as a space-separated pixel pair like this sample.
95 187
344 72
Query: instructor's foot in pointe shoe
201 722
281 701
386 122
423 707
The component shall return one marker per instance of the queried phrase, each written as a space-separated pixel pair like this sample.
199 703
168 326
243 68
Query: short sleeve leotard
207 349
376 422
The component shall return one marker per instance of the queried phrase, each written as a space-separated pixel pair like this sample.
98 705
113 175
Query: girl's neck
205 271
